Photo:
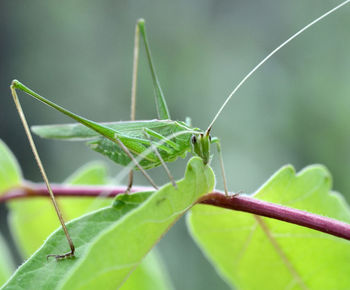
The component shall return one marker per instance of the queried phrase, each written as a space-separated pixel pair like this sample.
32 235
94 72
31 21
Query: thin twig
31 190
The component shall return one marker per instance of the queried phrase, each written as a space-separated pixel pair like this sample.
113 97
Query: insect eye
194 139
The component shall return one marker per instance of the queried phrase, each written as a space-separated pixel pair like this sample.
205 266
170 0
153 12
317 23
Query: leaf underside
252 252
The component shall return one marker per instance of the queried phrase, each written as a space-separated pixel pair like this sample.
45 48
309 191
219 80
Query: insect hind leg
133 92
43 174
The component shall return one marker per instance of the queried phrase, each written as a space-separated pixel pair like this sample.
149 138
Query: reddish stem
279 212
29 190
238 202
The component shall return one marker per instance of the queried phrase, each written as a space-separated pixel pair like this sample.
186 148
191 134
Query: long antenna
271 54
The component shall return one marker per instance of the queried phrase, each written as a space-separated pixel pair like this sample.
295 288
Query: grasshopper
145 144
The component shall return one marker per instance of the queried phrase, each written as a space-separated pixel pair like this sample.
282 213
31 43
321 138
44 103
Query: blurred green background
294 110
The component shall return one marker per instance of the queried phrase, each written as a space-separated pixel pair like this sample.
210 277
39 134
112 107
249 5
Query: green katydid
157 141
147 144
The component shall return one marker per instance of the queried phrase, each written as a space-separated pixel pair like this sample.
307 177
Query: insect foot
68 255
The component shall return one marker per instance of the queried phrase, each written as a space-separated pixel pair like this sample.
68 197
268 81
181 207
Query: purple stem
238 202
28 190
279 212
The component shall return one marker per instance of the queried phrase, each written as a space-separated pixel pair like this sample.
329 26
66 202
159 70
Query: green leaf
10 177
149 275
10 172
6 263
32 220
284 256
93 173
111 242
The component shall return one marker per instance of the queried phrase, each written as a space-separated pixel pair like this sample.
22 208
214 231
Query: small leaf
93 173
111 242
10 172
260 253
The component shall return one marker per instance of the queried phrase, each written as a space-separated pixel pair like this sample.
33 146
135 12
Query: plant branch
238 202
291 215
30 190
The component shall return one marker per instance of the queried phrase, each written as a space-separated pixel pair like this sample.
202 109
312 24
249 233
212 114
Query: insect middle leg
161 159
218 147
